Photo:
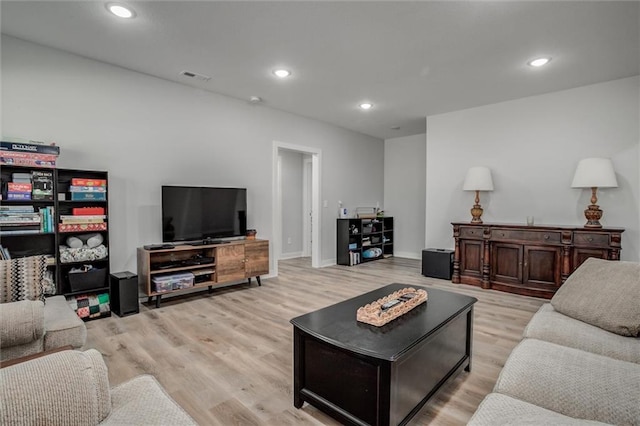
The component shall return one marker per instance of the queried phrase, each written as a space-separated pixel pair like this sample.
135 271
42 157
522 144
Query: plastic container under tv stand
232 261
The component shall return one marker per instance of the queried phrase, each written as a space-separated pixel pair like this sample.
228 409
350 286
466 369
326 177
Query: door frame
307 222
316 164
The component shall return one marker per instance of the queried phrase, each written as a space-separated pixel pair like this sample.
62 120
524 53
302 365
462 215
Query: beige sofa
29 323
72 388
31 326
579 361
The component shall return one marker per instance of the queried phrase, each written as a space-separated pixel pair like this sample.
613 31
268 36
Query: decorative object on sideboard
251 234
478 179
594 173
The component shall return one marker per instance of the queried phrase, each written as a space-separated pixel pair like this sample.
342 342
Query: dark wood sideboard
528 260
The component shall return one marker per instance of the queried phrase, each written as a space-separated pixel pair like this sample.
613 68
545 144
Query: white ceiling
411 59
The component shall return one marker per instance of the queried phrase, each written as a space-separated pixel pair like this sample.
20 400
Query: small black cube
437 263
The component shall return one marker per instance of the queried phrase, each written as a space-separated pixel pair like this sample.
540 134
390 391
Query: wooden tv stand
231 261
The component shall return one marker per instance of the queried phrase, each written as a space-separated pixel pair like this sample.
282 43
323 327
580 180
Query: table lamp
478 179
594 173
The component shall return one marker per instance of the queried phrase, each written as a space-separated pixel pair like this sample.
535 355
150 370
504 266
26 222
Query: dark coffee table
366 375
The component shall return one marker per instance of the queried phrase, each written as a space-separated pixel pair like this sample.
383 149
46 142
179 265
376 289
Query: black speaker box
124 293
437 263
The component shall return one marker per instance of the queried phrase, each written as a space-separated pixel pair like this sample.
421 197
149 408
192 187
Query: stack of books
19 190
37 186
28 153
84 219
88 189
19 220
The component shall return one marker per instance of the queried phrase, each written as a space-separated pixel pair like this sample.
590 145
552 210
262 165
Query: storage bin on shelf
87 280
163 283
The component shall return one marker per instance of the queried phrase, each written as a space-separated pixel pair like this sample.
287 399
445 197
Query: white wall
532 146
291 190
404 192
147 132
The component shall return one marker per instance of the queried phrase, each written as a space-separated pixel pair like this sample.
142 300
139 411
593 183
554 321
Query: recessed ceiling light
538 62
366 105
282 73
120 10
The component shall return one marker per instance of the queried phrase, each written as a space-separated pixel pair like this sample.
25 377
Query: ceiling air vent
195 75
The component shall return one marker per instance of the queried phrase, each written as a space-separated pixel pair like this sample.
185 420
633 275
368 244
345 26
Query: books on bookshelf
16 219
36 185
82 189
28 153
83 211
88 182
82 227
354 258
42 185
72 219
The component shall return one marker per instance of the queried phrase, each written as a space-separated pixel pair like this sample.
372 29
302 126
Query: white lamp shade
595 173
478 179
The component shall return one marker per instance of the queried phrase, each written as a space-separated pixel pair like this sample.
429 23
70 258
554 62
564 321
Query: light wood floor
226 357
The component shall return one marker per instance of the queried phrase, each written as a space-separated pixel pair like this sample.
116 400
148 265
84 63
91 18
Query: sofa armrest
63 326
143 401
21 322
68 387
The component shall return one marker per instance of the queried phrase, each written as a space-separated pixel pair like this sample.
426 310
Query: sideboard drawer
591 239
538 236
471 232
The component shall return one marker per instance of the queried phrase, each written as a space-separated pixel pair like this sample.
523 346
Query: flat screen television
195 213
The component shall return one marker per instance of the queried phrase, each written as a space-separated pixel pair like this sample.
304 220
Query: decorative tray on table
390 307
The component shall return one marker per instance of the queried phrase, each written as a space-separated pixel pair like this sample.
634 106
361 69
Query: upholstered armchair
29 322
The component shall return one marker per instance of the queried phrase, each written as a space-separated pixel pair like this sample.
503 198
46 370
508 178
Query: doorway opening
310 199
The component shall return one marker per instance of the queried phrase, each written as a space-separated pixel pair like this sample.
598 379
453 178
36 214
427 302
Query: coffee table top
337 324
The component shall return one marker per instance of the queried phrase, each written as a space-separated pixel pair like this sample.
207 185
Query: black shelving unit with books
82 219
362 240
27 211
61 213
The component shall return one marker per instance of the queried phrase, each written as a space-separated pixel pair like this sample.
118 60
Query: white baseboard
408 255
328 262
295 255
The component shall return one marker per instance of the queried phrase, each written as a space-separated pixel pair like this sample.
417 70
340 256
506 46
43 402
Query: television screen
192 213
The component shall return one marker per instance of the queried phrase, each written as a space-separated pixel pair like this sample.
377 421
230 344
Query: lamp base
476 213
593 215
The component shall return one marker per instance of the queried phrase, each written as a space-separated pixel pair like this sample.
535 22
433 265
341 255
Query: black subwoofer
124 293
437 263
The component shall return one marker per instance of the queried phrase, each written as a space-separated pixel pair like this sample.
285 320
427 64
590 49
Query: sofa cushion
67 387
142 401
603 293
502 410
552 326
572 382
21 278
